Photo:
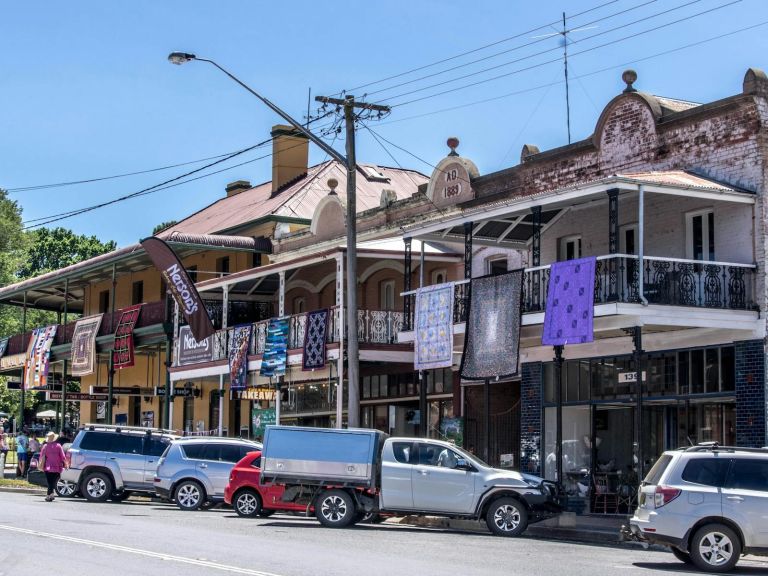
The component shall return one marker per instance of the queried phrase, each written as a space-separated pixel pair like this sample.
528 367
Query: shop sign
122 391
268 394
261 418
77 397
625 377
191 351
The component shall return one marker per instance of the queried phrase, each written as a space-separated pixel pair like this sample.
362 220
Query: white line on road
140 552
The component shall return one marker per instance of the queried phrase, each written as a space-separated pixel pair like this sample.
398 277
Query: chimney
290 155
237 186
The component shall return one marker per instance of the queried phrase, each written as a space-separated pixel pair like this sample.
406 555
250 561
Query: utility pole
353 360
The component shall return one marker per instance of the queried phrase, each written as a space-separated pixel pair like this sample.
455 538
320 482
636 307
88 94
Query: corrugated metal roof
671 105
238 242
679 178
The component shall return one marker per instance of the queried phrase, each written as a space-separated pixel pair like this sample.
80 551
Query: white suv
708 503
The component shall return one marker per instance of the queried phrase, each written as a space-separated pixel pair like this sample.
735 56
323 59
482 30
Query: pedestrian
52 462
3 453
22 444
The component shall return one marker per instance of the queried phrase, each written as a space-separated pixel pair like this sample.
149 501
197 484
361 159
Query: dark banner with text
181 286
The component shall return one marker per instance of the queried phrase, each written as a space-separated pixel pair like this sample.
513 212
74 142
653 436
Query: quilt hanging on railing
238 356
570 303
433 347
38 357
314 340
83 353
122 353
492 340
275 348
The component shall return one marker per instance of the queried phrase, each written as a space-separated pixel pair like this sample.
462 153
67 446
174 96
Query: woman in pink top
52 456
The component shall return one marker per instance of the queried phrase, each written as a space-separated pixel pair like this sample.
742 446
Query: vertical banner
83 352
38 355
570 303
314 340
3 346
492 341
122 351
238 356
275 355
181 286
434 327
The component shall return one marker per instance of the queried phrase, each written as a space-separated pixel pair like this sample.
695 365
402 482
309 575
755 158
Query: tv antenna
564 34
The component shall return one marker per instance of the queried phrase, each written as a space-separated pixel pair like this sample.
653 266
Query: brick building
669 196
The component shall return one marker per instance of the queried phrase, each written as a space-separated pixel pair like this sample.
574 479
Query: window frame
562 247
707 235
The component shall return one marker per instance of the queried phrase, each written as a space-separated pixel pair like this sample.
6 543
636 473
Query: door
396 475
745 499
219 461
153 449
128 455
437 485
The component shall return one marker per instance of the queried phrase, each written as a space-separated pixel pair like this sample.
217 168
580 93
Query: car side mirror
462 464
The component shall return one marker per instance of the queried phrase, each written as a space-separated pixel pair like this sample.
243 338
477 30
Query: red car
248 497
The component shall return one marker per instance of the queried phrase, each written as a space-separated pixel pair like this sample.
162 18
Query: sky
87 91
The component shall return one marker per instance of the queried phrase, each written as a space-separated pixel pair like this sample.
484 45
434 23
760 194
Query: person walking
22 443
52 462
3 452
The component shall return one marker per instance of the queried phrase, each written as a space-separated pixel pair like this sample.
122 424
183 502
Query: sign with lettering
122 391
257 394
191 351
77 397
451 182
629 376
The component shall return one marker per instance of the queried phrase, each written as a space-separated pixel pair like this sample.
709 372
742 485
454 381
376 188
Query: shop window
137 292
660 374
697 371
367 387
683 373
712 370
549 382
727 369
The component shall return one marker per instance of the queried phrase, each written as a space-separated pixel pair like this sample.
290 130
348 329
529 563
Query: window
654 475
628 239
230 453
192 271
749 474
706 471
429 454
403 451
137 292
127 444
156 447
299 305
104 301
496 265
569 248
194 451
700 235
222 265
99 441
256 463
439 276
387 295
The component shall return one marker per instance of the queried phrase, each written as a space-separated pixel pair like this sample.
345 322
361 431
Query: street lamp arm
287 117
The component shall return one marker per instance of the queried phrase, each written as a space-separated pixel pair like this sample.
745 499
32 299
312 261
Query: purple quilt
570 303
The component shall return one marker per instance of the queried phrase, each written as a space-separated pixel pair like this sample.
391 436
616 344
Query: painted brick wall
530 418
750 394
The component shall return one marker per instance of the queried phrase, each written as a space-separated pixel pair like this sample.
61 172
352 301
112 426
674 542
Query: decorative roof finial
332 183
629 77
453 143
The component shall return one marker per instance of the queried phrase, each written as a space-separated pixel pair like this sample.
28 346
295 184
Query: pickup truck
346 474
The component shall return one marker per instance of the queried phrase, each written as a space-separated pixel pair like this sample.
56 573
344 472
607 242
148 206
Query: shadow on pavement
680 568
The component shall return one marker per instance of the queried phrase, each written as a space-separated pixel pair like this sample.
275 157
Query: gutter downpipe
641 243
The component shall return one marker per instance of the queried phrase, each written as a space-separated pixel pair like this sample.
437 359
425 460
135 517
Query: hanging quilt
314 340
122 352
238 356
3 346
570 303
83 354
275 348
492 340
433 347
38 356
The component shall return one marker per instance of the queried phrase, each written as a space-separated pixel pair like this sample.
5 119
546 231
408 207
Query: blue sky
88 92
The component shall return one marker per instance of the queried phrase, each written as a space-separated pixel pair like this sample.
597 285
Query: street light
353 410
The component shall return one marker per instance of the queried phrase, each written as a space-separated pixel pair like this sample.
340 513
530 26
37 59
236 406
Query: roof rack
120 428
715 447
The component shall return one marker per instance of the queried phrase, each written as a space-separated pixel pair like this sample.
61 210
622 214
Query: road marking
139 551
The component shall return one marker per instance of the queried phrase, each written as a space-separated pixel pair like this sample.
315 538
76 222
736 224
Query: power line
473 51
539 65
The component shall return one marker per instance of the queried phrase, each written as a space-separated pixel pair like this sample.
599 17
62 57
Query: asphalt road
138 537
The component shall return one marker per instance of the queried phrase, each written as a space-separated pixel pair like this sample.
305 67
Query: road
139 537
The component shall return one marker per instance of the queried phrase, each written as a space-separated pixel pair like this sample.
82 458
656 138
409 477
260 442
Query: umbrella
48 414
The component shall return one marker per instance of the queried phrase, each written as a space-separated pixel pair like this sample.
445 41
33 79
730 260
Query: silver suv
195 471
708 503
111 462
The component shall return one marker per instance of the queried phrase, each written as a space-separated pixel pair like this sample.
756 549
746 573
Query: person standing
3 452
22 443
52 462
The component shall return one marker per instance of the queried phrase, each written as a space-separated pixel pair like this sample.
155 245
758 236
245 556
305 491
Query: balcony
374 327
152 313
666 281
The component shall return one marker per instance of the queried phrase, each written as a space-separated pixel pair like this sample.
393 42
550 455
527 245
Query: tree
13 244
52 249
162 226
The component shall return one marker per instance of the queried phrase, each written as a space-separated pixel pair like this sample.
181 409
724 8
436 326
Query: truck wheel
506 517
189 495
715 548
335 509
247 503
96 487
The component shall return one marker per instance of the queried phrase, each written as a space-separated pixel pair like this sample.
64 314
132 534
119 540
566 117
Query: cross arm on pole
350 101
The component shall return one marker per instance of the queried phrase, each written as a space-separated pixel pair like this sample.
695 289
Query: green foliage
51 249
162 226
13 245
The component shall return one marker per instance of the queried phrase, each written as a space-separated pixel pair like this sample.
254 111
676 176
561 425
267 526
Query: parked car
248 497
111 462
195 471
707 503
